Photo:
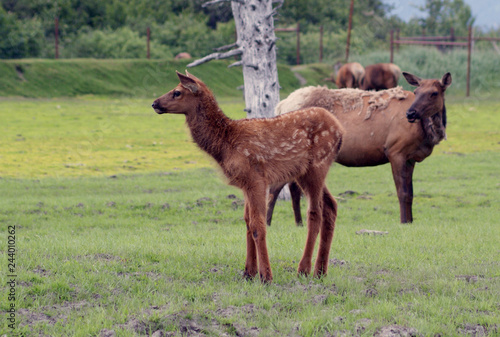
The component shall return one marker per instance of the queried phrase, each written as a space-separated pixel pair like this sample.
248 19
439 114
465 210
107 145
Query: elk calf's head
429 96
180 99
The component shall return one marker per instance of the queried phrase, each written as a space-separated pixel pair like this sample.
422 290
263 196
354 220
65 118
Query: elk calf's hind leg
326 233
314 219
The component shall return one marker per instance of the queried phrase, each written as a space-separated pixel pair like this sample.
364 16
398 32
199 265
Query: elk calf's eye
177 93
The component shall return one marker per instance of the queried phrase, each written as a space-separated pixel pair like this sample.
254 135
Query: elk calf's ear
188 83
192 76
412 79
446 81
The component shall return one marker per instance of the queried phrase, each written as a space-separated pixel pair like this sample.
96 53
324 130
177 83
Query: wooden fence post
469 51
321 44
148 33
349 27
298 43
392 46
56 34
397 38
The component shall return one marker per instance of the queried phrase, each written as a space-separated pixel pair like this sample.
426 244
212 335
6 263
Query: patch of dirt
337 263
396 331
20 72
107 333
49 314
237 204
301 78
150 275
371 232
141 327
247 309
204 201
106 257
188 325
41 271
477 330
361 325
468 278
371 292
348 193
98 257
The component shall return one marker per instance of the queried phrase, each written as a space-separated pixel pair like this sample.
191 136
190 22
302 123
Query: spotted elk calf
256 154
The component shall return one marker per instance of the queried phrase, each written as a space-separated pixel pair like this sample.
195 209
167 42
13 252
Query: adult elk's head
429 97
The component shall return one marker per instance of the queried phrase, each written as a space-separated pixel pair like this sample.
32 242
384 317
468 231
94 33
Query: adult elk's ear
412 79
188 83
446 81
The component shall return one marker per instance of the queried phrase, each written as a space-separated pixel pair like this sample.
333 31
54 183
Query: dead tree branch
213 2
229 46
216 56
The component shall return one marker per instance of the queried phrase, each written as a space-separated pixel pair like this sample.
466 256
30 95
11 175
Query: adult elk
380 76
391 126
349 75
256 154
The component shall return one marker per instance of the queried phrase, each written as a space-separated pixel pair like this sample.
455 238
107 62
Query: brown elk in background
349 75
257 154
391 126
380 76
182 56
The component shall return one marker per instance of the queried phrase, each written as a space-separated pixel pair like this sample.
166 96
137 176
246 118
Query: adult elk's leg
274 192
326 233
402 172
295 193
255 197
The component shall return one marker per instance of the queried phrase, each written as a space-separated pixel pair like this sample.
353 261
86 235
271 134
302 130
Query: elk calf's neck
256 154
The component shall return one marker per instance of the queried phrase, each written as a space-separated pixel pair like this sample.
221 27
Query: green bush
120 43
19 38
189 33
429 62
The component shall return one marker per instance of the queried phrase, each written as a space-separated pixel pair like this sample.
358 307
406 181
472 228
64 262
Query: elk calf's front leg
256 231
259 236
251 267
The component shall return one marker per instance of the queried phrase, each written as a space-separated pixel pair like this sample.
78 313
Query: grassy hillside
149 78
134 78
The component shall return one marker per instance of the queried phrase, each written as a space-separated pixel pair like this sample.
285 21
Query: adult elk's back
391 126
349 75
380 76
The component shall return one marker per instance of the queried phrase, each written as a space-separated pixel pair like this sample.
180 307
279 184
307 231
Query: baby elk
257 154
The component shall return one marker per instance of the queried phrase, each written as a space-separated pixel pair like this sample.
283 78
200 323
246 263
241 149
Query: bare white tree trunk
255 28
256 43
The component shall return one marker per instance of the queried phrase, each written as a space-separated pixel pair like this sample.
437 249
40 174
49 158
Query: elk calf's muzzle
157 108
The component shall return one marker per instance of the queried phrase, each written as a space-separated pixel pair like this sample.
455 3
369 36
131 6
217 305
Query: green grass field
122 225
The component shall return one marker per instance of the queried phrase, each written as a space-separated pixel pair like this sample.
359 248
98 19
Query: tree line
117 28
